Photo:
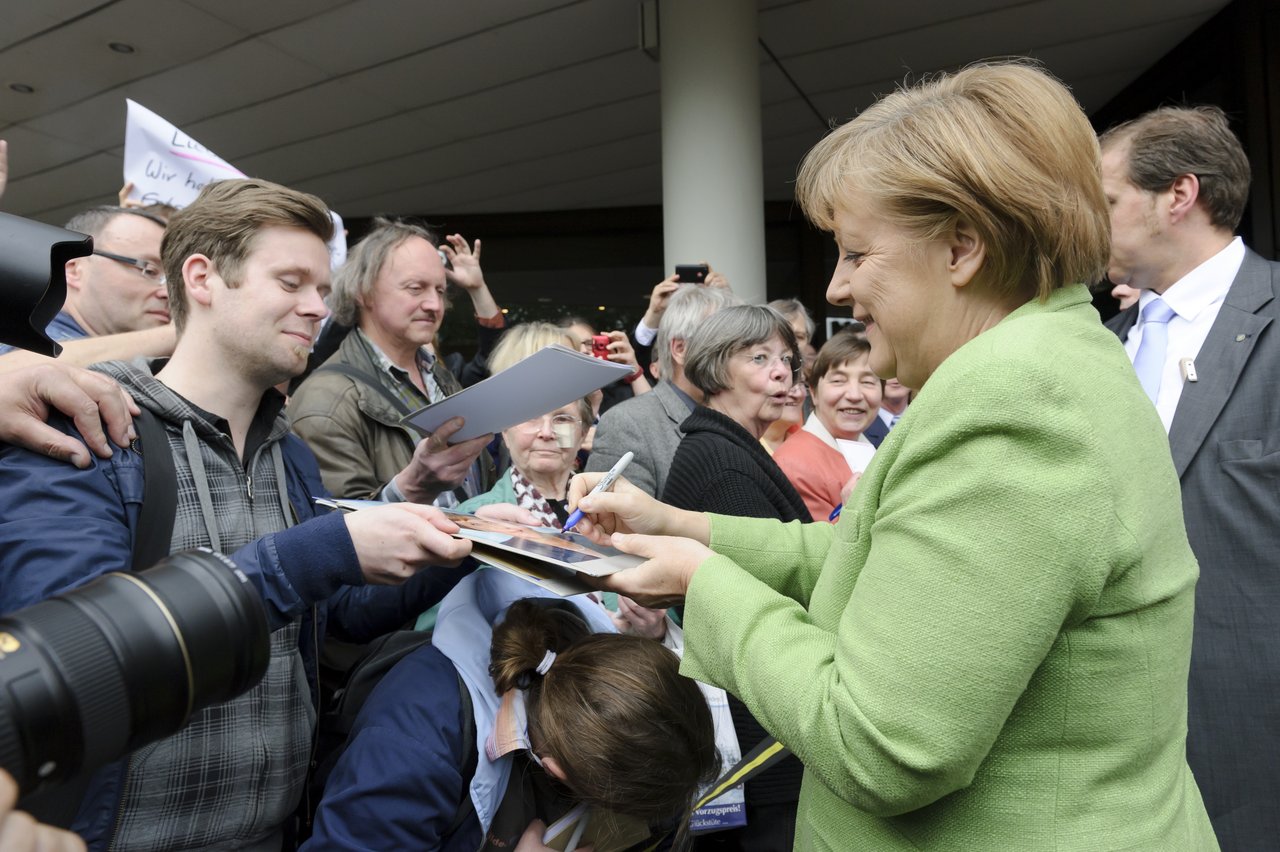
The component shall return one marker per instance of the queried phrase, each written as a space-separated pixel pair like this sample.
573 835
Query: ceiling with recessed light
433 108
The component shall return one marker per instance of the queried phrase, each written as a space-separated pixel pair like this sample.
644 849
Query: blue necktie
1150 358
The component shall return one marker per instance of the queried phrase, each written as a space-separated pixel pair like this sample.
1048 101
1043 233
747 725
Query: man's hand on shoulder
92 400
395 541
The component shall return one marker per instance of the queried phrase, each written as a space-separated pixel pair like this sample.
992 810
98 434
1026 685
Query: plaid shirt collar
398 381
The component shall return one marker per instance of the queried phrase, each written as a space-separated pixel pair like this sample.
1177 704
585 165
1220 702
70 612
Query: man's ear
197 278
966 252
554 769
1183 195
74 271
678 345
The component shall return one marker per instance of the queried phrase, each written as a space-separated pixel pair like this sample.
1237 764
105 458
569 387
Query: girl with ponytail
576 727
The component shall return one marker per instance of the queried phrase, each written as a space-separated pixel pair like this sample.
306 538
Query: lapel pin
1240 338
1188 370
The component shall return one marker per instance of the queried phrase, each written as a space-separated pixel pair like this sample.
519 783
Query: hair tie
547 659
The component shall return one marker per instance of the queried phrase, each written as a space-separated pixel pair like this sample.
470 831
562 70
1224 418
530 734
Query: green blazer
990 649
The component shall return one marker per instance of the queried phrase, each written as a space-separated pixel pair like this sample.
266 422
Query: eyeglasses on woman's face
764 360
558 421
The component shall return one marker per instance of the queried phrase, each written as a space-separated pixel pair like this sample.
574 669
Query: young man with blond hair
248 270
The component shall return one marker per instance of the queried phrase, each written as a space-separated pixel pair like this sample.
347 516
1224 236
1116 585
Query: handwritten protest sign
166 166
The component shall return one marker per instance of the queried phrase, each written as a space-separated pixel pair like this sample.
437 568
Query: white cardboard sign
166 166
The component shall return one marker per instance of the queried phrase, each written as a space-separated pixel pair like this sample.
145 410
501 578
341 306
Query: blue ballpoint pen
603 485
835 513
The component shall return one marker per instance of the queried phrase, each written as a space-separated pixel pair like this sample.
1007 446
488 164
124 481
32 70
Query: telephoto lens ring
94 673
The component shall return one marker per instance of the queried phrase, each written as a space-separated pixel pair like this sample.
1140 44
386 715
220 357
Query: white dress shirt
1195 299
645 335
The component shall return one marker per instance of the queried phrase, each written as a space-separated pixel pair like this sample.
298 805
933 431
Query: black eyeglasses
146 268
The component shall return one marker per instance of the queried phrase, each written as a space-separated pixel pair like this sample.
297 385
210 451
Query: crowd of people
996 576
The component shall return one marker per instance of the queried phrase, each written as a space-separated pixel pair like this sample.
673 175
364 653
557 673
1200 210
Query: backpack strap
466 807
151 543
153 538
367 379
335 726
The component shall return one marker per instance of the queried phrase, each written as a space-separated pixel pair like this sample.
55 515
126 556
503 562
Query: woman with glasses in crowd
542 450
542 453
745 359
822 459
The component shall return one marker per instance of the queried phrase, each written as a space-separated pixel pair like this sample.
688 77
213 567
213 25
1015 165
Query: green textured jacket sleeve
969 543
785 557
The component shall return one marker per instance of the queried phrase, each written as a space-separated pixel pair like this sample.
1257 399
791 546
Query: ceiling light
121 47
22 88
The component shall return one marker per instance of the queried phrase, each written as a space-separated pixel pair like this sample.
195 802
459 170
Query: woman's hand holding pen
673 541
626 509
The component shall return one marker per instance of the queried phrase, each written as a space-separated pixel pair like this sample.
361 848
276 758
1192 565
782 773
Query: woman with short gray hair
745 359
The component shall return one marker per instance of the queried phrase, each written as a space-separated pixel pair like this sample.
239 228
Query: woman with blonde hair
989 650
542 450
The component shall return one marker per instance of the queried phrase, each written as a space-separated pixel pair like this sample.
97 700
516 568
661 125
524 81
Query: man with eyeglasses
116 307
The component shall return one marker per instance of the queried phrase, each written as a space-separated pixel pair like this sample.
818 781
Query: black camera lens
92 674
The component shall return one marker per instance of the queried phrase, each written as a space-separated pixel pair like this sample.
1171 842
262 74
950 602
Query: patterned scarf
529 497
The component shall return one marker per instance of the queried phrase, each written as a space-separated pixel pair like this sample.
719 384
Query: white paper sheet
166 166
546 380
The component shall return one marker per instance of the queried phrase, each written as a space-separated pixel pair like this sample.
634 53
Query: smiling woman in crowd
989 650
821 458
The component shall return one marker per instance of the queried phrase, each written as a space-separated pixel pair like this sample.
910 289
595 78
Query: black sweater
720 468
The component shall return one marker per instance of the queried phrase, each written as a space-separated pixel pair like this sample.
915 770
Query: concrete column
712 168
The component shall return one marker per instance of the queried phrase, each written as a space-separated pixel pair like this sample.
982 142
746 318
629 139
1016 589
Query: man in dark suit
893 404
649 424
1201 340
877 430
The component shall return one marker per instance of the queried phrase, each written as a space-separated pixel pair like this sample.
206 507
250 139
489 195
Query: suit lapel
876 432
1122 322
672 404
1221 359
